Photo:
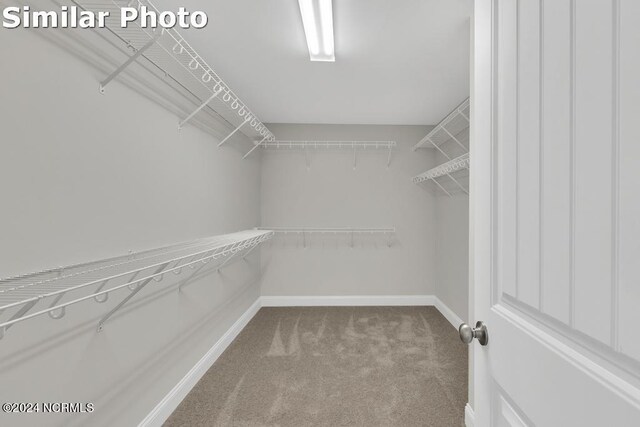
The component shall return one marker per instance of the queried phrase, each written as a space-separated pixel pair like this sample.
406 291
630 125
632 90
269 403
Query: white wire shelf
167 50
353 146
327 145
448 129
329 230
99 279
349 231
446 169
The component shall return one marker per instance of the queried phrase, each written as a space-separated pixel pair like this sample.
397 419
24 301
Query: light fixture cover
317 19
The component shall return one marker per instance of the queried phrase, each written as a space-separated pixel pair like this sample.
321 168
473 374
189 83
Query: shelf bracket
454 138
306 157
234 250
196 270
389 157
232 133
225 262
190 116
458 184
254 147
441 187
128 62
460 110
354 158
23 310
439 149
131 295
249 251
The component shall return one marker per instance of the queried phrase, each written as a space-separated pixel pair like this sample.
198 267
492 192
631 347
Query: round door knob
467 333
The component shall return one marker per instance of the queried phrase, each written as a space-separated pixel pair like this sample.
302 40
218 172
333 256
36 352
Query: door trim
469 416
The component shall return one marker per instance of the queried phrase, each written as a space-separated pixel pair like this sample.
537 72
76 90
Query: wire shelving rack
448 130
167 50
353 146
64 286
450 138
447 169
349 231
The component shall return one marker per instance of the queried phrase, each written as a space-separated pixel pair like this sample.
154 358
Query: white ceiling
397 61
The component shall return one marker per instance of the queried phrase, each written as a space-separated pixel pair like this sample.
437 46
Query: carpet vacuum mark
335 366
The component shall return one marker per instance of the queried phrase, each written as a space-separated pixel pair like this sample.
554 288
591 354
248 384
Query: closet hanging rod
160 46
22 293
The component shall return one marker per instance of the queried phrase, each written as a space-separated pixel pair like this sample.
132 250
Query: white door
556 212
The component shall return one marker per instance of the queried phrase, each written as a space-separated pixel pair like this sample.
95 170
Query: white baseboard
350 300
452 317
469 416
363 300
161 412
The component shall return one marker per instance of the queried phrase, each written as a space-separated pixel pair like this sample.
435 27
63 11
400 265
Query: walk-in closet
318 213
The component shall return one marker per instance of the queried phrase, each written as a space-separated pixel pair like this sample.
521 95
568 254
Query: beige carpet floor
335 366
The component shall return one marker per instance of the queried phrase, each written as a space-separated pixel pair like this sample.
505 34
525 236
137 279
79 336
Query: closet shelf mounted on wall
352 146
330 145
448 130
181 65
451 138
97 280
445 169
350 231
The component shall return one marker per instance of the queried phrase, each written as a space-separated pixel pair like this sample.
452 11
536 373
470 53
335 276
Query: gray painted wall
452 253
331 193
85 176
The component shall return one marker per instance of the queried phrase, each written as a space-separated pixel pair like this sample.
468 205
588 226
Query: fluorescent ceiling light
317 18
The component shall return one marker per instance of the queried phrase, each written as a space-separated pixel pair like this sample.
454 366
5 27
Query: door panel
592 187
561 193
528 148
563 199
506 123
552 383
555 170
506 414
628 216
